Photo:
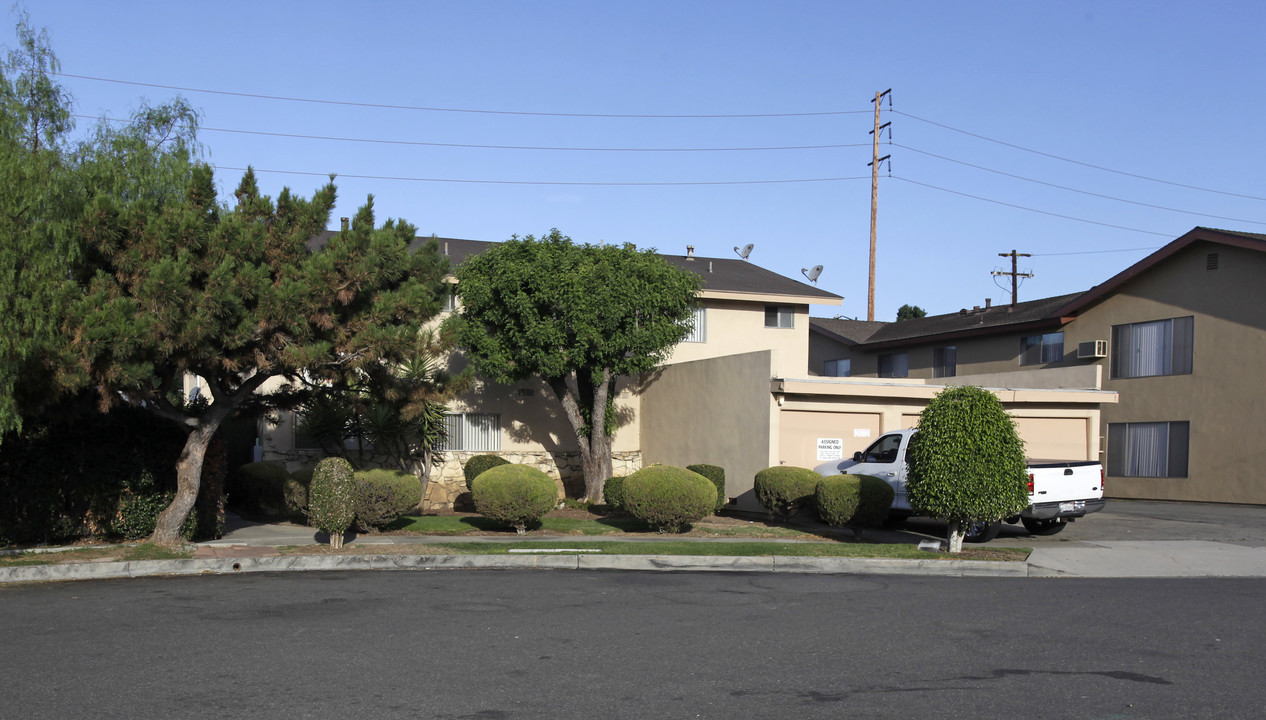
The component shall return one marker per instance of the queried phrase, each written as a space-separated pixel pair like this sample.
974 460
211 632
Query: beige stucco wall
736 327
717 411
1224 397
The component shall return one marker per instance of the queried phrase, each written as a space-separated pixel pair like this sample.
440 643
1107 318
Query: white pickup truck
1059 491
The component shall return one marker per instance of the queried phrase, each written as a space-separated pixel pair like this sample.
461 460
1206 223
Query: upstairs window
837 368
895 365
944 361
779 316
1162 347
1039 349
699 333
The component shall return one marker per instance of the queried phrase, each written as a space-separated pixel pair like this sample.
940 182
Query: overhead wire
547 182
1078 162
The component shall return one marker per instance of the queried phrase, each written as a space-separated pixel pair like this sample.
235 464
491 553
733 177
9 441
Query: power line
1029 209
545 182
387 106
1078 162
1071 189
336 138
1097 252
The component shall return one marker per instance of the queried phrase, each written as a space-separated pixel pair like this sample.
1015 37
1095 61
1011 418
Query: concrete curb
305 563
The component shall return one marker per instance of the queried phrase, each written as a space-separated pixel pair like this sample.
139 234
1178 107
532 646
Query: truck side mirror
857 456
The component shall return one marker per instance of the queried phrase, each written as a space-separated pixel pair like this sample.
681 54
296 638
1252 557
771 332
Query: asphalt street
606 644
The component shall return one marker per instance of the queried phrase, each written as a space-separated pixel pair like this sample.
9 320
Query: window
450 298
837 368
1162 347
472 431
944 361
895 365
883 450
700 331
1152 449
1038 349
779 316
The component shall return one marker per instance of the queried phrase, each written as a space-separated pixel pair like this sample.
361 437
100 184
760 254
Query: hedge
380 496
854 501
716 474
786 490
478 464
516 495
668 498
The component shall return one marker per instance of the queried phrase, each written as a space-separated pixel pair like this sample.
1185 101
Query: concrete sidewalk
251 547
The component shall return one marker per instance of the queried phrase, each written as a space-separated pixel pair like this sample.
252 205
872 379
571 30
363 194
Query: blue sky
1169 91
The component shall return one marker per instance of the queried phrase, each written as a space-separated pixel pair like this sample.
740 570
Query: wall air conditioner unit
1092 349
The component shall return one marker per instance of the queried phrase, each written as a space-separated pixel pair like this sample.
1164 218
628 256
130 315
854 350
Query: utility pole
874 200
1015 274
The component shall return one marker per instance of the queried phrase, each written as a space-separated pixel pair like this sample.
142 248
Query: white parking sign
830 449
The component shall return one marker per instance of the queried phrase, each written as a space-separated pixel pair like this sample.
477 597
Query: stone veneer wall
447 489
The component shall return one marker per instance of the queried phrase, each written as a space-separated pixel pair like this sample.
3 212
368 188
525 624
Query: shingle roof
849 332
720 274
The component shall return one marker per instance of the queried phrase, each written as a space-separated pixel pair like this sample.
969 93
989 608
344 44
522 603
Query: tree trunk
595 445
188 478
954 534
596 463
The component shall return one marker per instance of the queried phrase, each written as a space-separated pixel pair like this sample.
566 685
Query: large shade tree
578 316
235 295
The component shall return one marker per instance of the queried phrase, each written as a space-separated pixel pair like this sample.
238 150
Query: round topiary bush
854 501
668 498
478 464
330 498
786 490
514 494
380 496
966 463
716 474
613 492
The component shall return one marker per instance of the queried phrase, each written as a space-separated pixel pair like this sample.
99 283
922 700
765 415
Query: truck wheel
980 532
1048 526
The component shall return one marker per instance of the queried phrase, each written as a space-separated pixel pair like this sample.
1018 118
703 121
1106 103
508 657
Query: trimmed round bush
668 498
786 490
258 488
716 474
475 466
294 492
613 492
380 496
514 494
855 501
330 498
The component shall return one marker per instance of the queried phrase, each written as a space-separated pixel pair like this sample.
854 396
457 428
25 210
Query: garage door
800 432
1055 438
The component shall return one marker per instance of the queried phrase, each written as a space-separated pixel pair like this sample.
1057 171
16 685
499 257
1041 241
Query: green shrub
478 464
716 474
514 494
381 496
295 491
966 462
140 505
613 492
330 499
668 498
258 489
786 490
855 501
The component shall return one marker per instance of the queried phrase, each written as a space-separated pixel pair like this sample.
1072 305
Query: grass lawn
143 551
583 523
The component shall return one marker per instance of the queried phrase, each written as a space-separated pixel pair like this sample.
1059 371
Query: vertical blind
472 431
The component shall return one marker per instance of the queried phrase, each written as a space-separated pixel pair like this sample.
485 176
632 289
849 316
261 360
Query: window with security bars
1149 449
699 332
1149 349
472 431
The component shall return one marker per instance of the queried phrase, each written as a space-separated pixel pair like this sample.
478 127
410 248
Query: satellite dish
745 251
812 273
